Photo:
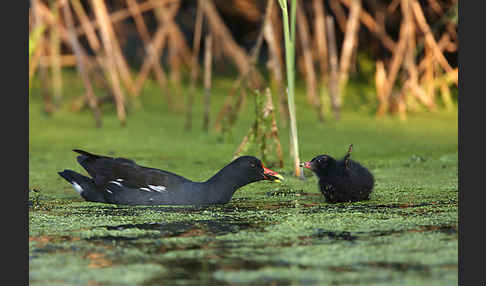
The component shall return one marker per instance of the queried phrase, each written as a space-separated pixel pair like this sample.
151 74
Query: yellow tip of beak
279 179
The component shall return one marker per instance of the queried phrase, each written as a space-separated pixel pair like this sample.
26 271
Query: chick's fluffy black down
343 183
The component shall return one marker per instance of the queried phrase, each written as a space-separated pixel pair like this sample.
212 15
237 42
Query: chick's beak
272 175
306 165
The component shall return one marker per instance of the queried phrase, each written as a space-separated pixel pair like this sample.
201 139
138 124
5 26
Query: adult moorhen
122 181
341 181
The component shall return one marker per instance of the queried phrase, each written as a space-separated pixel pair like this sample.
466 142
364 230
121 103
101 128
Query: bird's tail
82 185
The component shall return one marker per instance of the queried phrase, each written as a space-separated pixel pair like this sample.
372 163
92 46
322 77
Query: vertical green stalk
290 63
34 40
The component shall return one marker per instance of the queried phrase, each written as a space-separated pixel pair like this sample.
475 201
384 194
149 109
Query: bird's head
320 164
254 170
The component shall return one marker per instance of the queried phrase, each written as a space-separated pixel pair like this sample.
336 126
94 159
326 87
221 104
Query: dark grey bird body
122 181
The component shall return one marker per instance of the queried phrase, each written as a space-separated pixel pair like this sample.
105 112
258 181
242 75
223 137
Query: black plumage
122 181
342 180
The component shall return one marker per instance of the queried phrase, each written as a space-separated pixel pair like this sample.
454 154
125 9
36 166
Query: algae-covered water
270 233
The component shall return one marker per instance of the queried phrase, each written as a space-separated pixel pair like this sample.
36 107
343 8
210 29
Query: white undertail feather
77 187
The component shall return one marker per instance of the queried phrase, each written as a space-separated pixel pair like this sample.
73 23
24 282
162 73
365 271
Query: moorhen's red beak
306 165
272 175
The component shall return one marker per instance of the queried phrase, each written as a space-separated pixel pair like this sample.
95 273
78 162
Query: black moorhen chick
341 181
122 181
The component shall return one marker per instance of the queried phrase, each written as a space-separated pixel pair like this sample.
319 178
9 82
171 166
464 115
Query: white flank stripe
145 189
77 187
158 188
119 180
116 183
109 191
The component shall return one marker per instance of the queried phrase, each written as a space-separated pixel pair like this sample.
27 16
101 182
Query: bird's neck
223 185
325 173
